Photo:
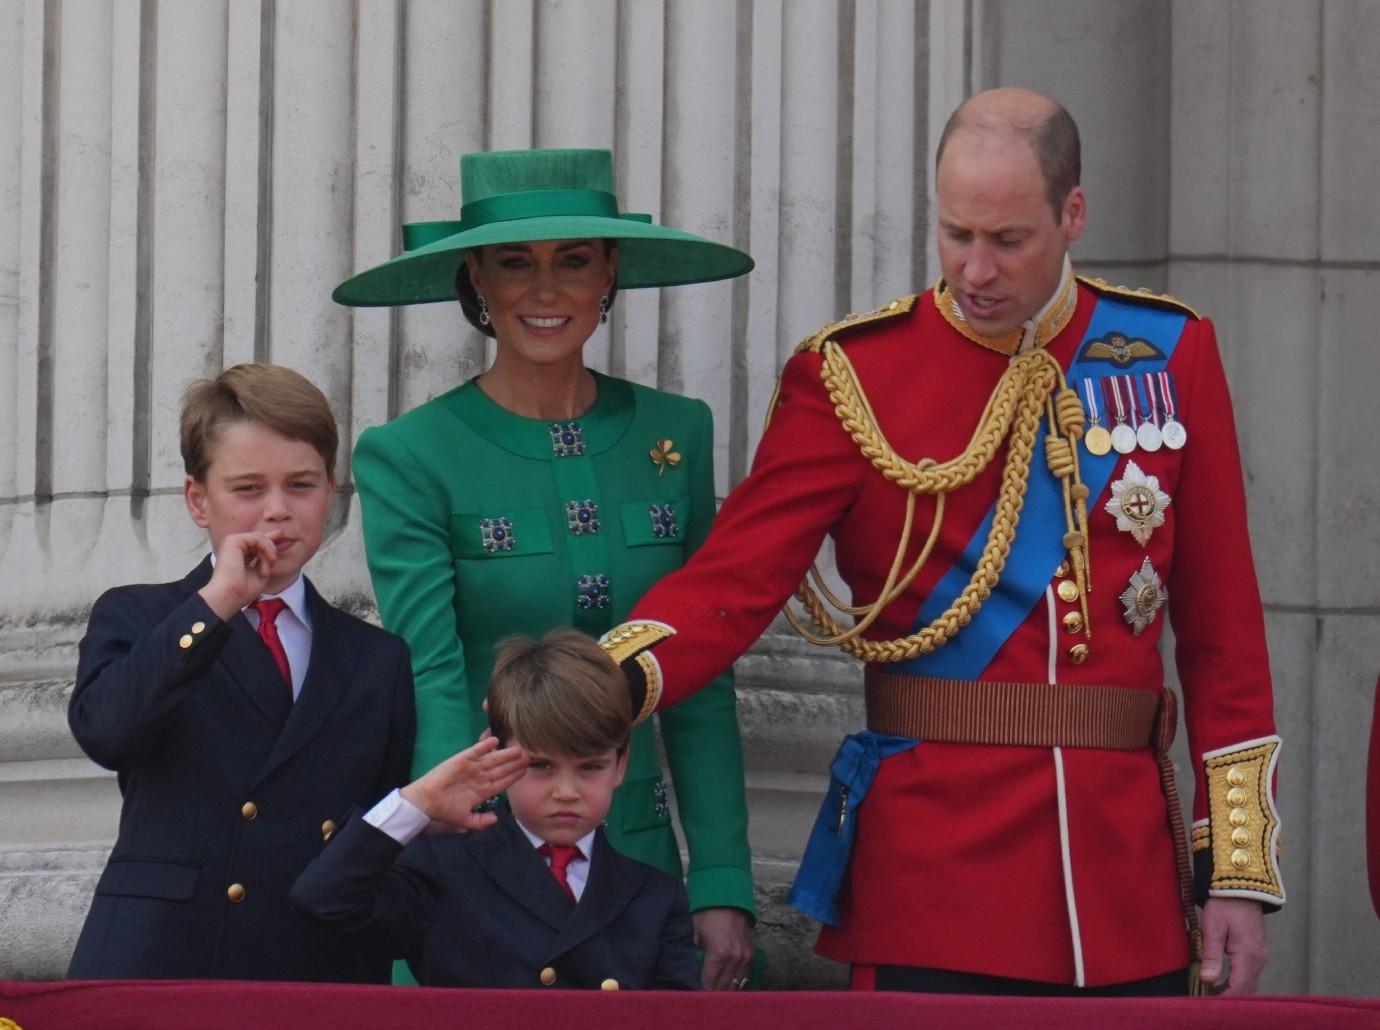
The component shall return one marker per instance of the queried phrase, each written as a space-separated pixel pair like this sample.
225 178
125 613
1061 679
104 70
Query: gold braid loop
1031 389
1068 407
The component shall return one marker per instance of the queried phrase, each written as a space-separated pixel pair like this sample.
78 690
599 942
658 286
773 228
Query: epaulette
1159 300
850 322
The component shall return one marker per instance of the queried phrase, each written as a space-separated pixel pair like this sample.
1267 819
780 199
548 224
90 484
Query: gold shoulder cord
1033 387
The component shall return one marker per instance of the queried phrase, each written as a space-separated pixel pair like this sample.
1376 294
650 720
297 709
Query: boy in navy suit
537 897
244 715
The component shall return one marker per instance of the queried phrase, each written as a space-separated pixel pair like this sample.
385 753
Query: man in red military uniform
1023 473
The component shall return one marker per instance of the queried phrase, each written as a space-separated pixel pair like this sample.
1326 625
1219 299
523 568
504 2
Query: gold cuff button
1236 797
1235 776
1078 654
1073 621
198 627
249 810
1240 836
235 892
547 976
328 829
185 641
1238 817
1068 590
1240 858
1062 570
609 985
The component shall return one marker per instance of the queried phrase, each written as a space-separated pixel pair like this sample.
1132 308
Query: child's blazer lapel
613 883
509 860
329 678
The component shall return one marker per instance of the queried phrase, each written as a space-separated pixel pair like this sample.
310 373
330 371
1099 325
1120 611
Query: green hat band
510 207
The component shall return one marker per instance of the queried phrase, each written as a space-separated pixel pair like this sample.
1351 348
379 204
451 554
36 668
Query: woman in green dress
543 494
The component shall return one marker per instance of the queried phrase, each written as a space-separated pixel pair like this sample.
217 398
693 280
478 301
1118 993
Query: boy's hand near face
448 793
244 563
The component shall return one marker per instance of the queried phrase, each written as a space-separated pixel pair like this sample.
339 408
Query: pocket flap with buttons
501 533
644 804
143 878
655 521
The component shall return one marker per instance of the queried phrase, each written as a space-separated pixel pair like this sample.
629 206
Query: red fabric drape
221 1005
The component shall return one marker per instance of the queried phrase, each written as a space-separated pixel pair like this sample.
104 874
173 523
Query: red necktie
561 855
268 633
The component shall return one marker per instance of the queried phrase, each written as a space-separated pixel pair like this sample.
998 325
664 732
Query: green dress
479 524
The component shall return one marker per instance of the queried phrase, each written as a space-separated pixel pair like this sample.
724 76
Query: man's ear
1075 213
194 494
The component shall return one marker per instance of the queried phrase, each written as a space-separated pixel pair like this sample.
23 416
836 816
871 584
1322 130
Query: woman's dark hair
469 300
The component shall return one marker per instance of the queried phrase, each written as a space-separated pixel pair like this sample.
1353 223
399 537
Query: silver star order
1144 597
1137 503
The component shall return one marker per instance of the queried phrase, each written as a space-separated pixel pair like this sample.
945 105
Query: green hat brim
648 255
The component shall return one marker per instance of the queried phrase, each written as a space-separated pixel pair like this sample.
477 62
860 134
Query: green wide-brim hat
521 196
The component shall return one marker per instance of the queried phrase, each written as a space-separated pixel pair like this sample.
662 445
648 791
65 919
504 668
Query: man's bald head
1020 114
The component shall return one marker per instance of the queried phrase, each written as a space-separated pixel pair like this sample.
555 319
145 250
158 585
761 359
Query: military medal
1143 598
1148 430
1173 431
1097 440
1137 503
1123 436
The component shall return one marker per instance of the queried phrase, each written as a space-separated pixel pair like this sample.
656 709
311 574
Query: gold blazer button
547 976
249 810
235 892
609 985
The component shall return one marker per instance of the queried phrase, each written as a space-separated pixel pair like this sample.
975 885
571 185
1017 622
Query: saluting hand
244 563
448 793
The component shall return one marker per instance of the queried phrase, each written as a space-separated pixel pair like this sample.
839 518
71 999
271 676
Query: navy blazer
229 787
484 910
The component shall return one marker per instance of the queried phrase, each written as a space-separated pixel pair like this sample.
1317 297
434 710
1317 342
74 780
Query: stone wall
182 184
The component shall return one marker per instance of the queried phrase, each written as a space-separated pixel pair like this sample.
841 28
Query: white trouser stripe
1078 980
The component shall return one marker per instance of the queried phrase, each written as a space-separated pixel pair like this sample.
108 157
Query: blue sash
826 855
1039 545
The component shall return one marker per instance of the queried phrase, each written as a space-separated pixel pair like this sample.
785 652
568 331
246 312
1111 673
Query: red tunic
963 859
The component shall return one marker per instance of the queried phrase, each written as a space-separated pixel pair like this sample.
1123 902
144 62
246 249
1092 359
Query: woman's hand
448 793
726 937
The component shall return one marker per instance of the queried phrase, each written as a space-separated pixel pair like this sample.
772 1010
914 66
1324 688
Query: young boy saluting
244 715
538 897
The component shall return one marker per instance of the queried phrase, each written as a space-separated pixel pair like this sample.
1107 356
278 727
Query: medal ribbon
1090 392
1146 393
1115 383
1167 395
1039 544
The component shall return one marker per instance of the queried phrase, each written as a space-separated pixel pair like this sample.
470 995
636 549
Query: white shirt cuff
397 817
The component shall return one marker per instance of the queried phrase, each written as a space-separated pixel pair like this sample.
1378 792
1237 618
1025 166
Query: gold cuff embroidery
651 675
1201 838
630 641
1243 822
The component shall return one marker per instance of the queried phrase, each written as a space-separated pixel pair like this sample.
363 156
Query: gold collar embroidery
1051 324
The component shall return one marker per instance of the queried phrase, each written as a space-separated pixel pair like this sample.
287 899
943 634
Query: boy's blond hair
559 695
274 396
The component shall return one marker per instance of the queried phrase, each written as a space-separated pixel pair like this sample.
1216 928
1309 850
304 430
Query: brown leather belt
1017 714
